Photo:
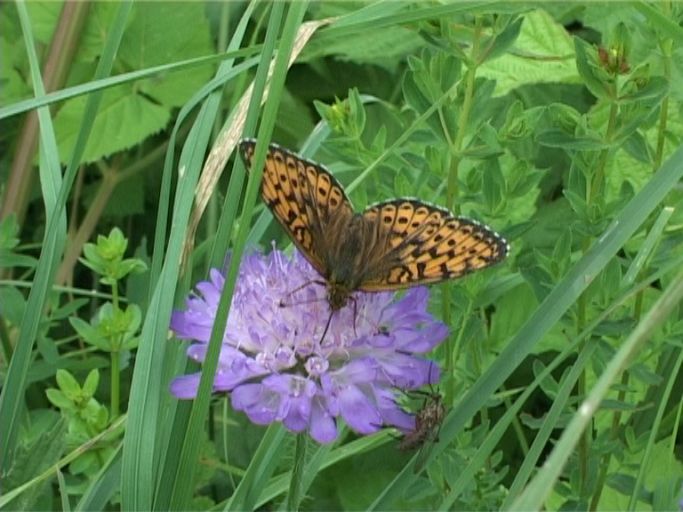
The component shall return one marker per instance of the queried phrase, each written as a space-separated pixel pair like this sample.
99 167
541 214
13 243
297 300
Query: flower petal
323 426
358 411
186 386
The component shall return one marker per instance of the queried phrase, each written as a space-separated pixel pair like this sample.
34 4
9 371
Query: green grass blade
260 468
528 467
171 438
104 486
140 454
181 494
105 83
140 458
480 458
549 312
55 193
655 433
539 488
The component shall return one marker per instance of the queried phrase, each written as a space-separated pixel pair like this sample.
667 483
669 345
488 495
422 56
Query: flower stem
295 484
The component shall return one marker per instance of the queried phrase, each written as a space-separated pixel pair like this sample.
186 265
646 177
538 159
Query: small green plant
114 328
85 418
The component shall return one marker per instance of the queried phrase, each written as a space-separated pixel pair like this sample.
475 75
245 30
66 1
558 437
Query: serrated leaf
158 34
99 25
385 46
543 53
44 16
39 450
124 119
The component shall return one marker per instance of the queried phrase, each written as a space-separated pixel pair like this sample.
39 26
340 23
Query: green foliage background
560 125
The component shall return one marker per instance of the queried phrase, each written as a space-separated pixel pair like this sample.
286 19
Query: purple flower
276 367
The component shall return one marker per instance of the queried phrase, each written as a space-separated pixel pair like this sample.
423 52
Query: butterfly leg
299 288
327 326
355 314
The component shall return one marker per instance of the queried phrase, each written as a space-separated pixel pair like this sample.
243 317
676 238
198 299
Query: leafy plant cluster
560 126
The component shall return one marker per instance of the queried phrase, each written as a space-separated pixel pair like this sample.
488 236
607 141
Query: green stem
597 183
613 436
115 344
451 188
463 120
295 484
115 388
595 192
666 47
5 340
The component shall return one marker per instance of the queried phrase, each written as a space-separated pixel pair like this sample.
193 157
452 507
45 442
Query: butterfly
391 245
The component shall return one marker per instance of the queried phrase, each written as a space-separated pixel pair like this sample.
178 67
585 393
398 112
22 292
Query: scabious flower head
277 366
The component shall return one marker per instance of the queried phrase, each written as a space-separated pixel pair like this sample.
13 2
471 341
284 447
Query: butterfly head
337 295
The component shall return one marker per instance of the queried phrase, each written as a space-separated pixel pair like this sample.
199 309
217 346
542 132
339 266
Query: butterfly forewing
427 245
303 196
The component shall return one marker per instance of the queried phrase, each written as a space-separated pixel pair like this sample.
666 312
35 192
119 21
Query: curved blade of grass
146 437
55 193
549 312
260 468
141 455
541 486
104 486
238 123
173 427
528 467
181 494
112 430
104 83
655 432
375 16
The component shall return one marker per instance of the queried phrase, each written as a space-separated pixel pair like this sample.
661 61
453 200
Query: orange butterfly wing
394 244
426 244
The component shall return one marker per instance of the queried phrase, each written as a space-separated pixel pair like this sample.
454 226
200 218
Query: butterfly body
348 256
391 245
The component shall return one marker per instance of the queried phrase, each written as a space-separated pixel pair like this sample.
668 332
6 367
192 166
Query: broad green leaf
542 53
125 118
157 34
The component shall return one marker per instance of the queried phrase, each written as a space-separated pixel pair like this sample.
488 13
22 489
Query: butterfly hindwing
426 244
